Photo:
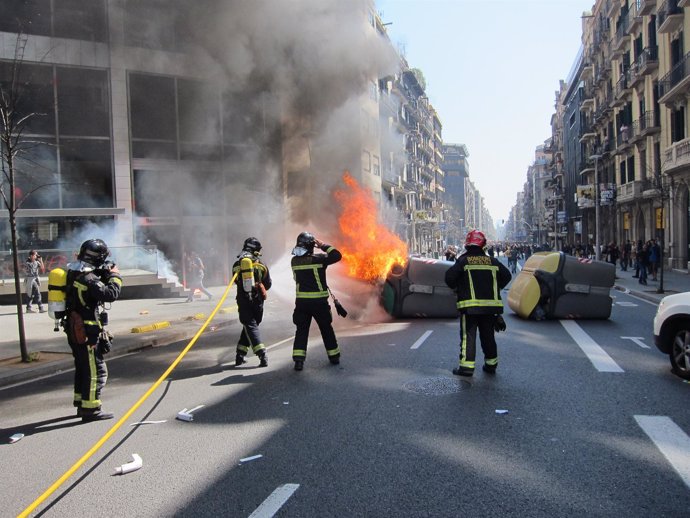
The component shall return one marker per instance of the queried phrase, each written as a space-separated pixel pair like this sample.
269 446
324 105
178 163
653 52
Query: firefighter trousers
469 325
90 376
319 310
251 315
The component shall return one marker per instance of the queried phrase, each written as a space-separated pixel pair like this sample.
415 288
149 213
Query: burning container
556 285
419 289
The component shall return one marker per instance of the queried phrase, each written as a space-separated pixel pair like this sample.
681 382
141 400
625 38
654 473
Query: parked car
672 331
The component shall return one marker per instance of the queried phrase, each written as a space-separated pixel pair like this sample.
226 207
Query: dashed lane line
275 501
671 441
421 340
601 361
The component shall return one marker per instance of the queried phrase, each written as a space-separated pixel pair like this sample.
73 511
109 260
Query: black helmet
305 244
94 252
252 245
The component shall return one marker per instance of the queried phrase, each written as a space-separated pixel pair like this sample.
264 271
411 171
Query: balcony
645 7
621 39
669 17
677 156
585 168
587 132
623 139
630 191
588 70
621 90
673 85
611 7
635 19
587 100
649 124
648 60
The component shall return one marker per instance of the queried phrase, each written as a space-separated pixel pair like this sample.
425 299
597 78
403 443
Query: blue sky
492 68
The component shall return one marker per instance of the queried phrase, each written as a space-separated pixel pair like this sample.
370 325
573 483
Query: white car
672 331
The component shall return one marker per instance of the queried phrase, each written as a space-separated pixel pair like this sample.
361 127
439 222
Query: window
80 19
376 164
27 16
366 161
86 173
152 116
35 95
37 179
199 120
140 31
83 102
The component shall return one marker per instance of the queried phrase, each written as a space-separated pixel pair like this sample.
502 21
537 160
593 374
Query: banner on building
562 217
585 196
607 193
659 217
626 221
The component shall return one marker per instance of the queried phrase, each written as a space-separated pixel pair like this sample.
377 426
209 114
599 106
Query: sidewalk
184 320
158 322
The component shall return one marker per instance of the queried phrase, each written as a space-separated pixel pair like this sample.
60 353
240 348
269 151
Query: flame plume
369 249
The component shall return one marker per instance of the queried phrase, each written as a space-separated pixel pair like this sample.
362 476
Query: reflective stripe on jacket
478 280
309 272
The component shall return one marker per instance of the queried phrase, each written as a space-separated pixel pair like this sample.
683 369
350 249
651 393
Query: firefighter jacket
478 280
309 272
262 280
86 289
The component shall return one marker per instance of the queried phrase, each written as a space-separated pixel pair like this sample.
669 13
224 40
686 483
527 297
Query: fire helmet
93 252
305 244
475 238
252 245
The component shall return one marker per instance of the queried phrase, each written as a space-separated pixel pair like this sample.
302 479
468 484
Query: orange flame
369 249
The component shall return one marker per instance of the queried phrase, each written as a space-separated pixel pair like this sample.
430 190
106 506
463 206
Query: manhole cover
437 386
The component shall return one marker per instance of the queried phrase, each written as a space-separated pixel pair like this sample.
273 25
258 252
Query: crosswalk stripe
672 442
421 340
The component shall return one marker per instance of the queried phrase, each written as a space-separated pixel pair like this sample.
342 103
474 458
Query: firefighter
309 272
478 280
253 280
92 281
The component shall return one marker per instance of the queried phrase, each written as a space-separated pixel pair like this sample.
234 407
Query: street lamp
596 206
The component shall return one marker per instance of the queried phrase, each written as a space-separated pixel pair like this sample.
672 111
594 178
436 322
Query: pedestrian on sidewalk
311 300
638 252
32 283
195 276
643 262
253 281
654 258
91 282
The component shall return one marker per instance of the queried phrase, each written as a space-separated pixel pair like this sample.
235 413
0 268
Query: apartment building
623 125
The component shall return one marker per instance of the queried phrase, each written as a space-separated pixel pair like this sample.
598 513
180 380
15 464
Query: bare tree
12 145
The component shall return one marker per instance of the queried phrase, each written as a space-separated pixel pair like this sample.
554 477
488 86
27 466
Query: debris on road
148 422
187 415
130 466
253 457
16 437
501 412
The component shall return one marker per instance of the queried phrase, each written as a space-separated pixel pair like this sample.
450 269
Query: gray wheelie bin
419 289
556 285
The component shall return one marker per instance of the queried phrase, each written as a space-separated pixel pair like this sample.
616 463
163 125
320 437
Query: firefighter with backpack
253 281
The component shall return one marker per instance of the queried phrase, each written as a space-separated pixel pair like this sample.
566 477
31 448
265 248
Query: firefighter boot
299 365
94 414
263 359
239 360
463 371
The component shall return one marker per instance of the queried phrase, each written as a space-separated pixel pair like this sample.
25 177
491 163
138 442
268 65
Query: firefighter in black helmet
478 280
309 272
91 282
253 280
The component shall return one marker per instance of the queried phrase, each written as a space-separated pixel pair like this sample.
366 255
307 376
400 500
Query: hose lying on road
129 412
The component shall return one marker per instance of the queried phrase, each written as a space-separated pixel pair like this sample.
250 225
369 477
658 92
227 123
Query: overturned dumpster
419 289
556 285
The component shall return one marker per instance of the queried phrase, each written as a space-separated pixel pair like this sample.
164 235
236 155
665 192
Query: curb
639 294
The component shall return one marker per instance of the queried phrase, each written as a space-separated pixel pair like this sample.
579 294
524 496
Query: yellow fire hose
129 412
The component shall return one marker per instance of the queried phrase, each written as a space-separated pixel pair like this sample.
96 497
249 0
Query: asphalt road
388 433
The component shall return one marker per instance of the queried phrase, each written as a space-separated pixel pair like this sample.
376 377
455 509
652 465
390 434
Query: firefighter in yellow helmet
478 280
253 280
311 301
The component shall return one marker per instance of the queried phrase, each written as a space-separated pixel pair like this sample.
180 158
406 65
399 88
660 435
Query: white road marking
626 304
275 501
279 343
637 340
602 361
673 442
421 340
